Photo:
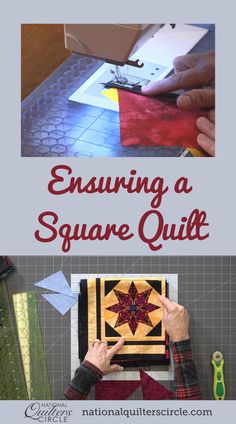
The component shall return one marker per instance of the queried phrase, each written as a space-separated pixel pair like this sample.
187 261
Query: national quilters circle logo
48 412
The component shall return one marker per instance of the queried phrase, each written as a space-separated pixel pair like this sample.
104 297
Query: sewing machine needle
119 77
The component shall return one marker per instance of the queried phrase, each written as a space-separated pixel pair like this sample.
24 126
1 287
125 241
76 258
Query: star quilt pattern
113 307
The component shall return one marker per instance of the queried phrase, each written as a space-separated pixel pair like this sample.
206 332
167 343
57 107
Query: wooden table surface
43 50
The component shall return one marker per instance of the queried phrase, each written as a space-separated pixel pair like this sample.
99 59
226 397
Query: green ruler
12 380
31 346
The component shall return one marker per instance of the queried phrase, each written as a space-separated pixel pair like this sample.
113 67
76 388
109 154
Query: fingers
197 99
165 314
103 346
206 127
181 63
187 61
114 349
211 115
181 80
167 304
114 368
99 345
206 139
207 144
96 344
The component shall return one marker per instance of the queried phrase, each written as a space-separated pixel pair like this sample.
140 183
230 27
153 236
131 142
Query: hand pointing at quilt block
100 356
176 320
97 361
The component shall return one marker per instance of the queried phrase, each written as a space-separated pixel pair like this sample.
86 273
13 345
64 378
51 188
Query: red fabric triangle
152 389
115 390
153 121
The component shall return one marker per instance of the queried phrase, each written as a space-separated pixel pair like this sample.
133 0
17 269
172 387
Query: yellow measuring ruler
12 380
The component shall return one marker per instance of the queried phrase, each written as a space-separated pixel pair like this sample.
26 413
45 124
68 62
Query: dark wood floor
42 50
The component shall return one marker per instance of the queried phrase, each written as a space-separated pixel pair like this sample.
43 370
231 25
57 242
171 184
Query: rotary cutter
218 378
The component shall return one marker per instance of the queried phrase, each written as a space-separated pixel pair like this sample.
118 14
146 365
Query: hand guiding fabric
206 138
193 72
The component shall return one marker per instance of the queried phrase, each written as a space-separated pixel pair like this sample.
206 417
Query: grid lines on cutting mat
207 287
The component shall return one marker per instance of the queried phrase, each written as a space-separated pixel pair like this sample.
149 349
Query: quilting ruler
31 346
12 380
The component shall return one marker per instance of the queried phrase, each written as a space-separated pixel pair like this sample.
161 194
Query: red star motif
133 307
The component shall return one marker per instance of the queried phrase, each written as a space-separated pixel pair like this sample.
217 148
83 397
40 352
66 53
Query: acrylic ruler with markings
31 346
12 380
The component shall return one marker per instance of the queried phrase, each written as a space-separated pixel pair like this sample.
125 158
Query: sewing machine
113 43
144 51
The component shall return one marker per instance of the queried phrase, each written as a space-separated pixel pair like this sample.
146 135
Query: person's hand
206 138
194 72
176 320
100 356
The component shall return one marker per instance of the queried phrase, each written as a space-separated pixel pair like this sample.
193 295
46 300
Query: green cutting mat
31 346
12 380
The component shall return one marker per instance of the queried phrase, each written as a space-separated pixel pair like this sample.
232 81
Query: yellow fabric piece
196 153
92 312
112 94
142 350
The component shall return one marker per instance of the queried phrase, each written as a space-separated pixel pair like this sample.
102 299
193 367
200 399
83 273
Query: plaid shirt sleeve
186 384
85 377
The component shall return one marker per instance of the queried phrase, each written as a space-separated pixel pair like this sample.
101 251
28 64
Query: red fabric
152 389
149 121
115 390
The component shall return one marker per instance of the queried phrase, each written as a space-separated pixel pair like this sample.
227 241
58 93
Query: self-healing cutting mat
113 307
206 286
31 346
12 380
